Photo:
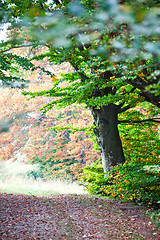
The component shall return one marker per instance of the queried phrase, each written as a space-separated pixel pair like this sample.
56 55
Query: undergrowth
138 179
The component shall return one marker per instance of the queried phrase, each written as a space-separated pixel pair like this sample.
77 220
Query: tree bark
108 139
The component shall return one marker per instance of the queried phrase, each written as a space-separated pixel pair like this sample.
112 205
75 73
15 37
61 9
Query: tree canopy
125 40
113 49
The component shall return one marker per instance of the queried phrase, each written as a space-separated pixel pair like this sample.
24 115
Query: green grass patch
14 180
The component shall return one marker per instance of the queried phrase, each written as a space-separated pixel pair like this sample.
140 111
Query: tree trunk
106 130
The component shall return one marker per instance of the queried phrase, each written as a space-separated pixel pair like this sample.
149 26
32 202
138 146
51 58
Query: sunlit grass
38 187
12 182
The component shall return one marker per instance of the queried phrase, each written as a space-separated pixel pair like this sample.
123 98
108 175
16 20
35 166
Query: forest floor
72 217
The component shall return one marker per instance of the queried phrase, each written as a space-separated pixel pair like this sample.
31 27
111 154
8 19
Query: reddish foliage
31 136
72 217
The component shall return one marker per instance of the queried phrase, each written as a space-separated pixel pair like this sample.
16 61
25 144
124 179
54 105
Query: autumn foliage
139 178
29 136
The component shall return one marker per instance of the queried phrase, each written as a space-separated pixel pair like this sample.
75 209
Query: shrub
130 181
138 179
155 216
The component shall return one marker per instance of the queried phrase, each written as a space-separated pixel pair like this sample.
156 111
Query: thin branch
26 45
150 66
57 2
132 90
113 91
144 93
124 109
81 74
20 46
141 85
140 121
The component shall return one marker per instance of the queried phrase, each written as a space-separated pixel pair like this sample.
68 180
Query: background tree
26 135
114 52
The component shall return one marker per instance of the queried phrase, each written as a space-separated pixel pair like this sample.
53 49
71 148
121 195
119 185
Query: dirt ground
72 217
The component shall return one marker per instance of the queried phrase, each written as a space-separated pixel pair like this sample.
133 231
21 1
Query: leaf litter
73 217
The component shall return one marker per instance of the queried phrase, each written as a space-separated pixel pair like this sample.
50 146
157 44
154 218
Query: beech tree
113 50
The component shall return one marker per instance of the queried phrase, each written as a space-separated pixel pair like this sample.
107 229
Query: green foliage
155 216
12 69
35 174
55 167
139 141
94 36
139 178
127 182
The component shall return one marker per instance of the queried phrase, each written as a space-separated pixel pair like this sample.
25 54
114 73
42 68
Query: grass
22 185
13 179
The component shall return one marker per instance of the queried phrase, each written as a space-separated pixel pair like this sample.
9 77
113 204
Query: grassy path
72 217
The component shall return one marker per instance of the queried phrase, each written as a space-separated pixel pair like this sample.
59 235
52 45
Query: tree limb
124 109
140 121
141 85
81 74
